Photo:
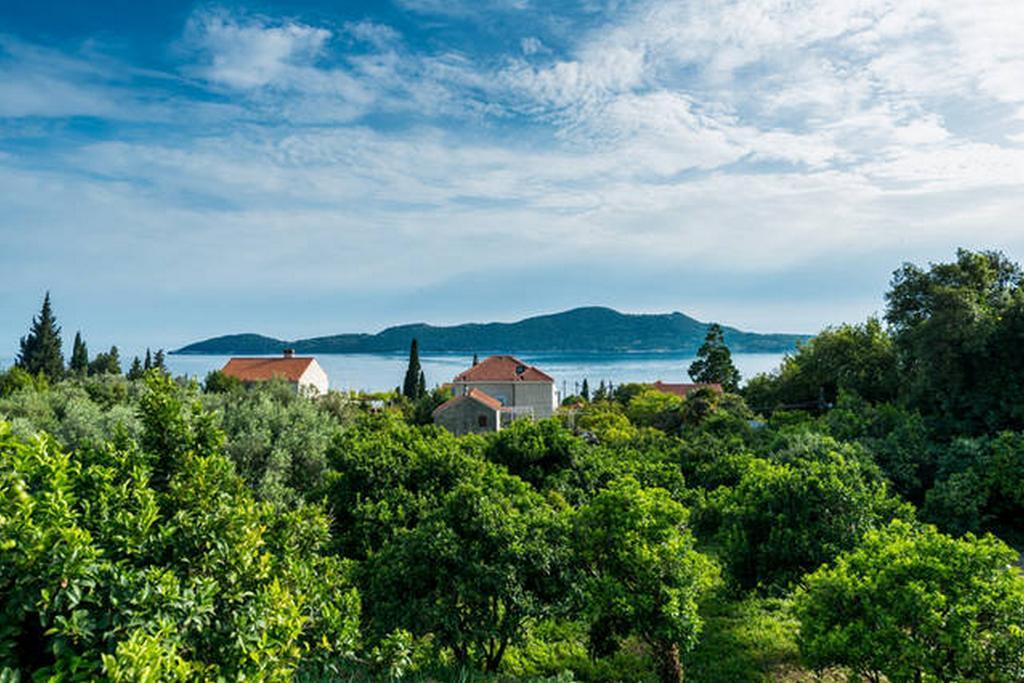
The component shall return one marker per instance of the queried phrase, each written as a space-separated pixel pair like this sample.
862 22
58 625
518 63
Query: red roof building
502 369
301 371
472 412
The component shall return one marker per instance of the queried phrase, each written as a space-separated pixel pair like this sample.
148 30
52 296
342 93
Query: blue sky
176 170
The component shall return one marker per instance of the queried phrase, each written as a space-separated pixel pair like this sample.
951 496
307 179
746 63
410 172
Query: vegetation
714 361
40 351
581 329
847 518
910 603
415 385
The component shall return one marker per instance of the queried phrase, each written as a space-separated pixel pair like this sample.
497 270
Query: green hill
593 329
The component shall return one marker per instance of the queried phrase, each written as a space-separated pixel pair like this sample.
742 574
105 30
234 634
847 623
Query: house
517 389
681 390
303 372
472 412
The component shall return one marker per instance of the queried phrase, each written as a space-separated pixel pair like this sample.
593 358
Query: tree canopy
910 604
714 361
40 349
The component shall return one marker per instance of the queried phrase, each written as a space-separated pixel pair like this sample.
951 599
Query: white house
304 372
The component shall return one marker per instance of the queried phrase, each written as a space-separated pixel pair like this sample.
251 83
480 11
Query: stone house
517 389
471 413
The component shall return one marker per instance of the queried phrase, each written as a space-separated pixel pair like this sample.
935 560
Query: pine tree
714 361
158 360
136 371
79 364
585 391
411 385
106 363
148 363
114 364
41 348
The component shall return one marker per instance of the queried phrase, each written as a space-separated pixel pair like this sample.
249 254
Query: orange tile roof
502 369
681 390
476 395
259 369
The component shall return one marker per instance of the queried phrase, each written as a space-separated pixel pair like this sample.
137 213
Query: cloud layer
742 140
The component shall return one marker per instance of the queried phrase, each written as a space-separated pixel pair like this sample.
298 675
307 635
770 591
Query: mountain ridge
585 329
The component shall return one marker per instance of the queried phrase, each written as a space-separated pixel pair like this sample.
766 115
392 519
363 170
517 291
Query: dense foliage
714 361
40 350
910 603
151 529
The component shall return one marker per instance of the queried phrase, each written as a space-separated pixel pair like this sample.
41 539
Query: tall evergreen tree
714 361
79 364
41 348
421 388
136 371
476 359
411 385
148 363
158 360
585 391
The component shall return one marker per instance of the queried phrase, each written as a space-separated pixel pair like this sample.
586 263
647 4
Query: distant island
584 330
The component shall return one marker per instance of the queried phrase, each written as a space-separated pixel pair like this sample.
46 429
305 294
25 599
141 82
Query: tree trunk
669 668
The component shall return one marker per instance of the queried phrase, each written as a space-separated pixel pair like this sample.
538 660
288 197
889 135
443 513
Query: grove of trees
856 515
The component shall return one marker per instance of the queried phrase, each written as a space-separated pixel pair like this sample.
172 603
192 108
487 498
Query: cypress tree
114 364
411 385
585 391
79 364
148 364
421 388
714 361
41 349
476 360
158 360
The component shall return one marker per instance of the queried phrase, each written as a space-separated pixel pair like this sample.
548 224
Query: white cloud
531 45
251 54
748 136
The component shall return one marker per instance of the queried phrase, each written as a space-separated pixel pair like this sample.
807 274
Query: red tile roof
502 369
259 369
476 395
681 390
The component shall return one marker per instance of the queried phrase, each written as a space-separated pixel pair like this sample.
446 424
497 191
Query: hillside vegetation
849 517
579 330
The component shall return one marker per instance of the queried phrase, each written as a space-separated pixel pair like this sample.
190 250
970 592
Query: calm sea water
381 372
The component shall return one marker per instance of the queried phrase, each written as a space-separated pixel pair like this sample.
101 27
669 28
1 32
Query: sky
171 171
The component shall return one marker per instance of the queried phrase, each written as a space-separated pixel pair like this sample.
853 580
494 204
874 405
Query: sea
384 372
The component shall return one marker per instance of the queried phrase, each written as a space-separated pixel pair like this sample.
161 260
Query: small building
493 393
471 413
683 389
303 372
522 389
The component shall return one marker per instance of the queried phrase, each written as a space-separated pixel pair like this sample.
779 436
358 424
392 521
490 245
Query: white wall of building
314 379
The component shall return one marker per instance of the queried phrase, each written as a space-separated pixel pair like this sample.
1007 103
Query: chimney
288 353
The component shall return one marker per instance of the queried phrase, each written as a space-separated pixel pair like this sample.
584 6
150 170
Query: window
482 421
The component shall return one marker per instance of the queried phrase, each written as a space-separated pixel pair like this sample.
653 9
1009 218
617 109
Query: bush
913 604
786 518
